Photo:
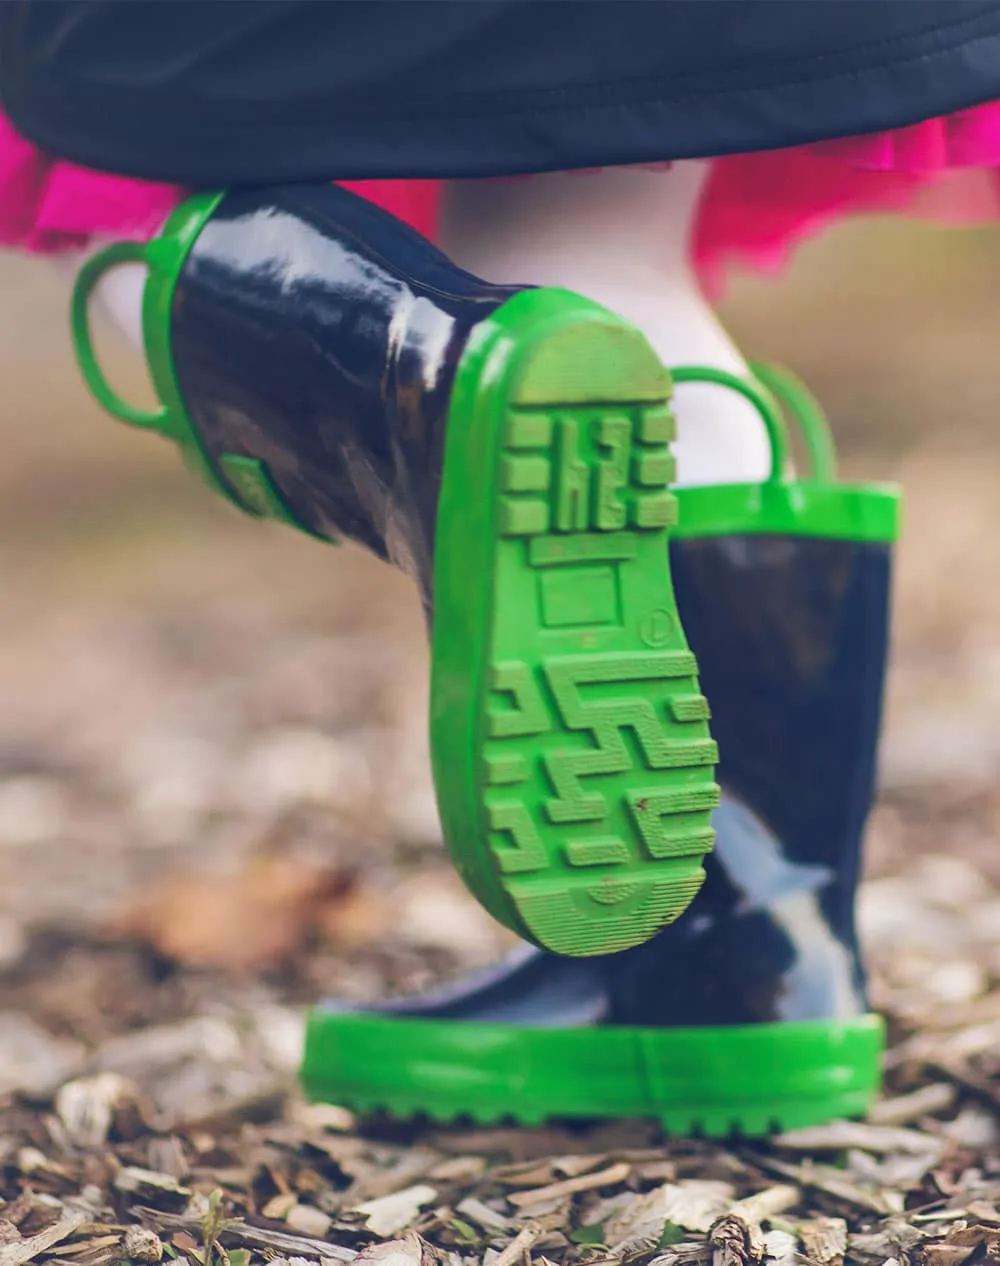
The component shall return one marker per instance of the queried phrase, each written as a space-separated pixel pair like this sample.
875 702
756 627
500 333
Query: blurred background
214 787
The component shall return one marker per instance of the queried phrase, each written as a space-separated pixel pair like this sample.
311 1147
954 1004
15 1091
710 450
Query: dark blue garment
227 92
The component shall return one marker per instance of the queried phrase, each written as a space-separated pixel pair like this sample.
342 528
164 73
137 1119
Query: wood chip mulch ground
186 1139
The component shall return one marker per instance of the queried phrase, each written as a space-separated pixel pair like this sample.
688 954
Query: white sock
621 237
118 293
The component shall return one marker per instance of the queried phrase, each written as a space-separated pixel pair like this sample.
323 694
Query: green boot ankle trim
848 513
753 1079
245 481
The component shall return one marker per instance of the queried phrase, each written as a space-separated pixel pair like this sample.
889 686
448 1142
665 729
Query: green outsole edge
529 353
751 1080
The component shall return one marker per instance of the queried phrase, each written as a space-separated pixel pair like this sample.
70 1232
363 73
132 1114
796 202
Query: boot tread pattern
597 760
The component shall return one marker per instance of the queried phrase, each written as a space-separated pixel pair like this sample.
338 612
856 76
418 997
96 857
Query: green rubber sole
753 1080
569 739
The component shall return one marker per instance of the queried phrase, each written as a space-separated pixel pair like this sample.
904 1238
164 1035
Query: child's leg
620 236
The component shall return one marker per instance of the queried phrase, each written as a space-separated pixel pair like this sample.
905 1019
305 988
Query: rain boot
749 1014
321 364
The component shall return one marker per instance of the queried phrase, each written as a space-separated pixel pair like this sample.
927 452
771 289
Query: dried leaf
166 1156
101 1250
686 1254
945 1254
19 1252
695 1203
528 1174
457 1169
519 1247
833 1182
765 1204
936 1096
482 1215
140 1244
639 1220
609 1177
824 1240
160 1190
410 1250
279 1205
238 1234
656 1170
388 1214
971 1236
574 1166
372 1181
895 1238
251 921
781 1247
308 1220
838 1136
983 1212
87 1107
552 1215
735 1243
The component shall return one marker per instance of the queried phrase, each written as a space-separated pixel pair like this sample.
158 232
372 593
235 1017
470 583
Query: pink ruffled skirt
756 207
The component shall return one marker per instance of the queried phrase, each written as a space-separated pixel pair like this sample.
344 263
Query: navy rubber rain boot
320 363
748 1014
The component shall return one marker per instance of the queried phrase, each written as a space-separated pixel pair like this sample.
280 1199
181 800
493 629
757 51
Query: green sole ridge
696 1122
570 741
749 1080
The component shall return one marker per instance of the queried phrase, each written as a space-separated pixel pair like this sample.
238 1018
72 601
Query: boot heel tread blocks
574 511
596 764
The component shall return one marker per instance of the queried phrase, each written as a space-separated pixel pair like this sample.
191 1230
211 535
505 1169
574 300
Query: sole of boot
752 1080
569 738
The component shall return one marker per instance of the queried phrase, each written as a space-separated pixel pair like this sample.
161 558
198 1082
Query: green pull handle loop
88 277
246 481
771 390
803 407
762 400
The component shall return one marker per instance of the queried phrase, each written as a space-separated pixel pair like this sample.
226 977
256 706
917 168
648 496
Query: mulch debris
189 1142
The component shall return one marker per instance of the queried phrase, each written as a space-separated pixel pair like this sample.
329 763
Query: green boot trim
570 742
754 1079
244 481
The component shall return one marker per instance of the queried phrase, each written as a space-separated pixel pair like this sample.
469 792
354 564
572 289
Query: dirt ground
215 806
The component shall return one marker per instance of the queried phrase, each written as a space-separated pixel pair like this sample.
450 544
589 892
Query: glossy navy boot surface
320 336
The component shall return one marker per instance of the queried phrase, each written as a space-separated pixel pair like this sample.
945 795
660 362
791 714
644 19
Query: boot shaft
318 335
785 596
791 634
